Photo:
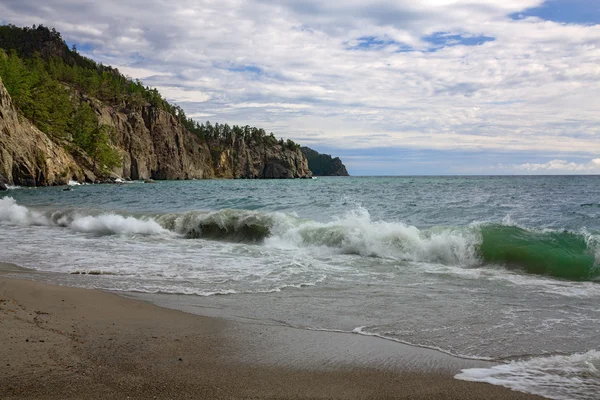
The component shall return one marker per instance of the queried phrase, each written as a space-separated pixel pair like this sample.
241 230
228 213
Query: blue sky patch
252 69
585 12
375 43
439 40
81 48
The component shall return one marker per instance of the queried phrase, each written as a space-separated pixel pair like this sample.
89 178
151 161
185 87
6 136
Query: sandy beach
70 343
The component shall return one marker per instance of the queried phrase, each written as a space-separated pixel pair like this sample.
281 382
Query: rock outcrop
27 156
153 145
324 164
252 160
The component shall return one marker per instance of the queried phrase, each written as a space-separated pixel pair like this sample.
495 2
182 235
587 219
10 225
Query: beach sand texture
69 343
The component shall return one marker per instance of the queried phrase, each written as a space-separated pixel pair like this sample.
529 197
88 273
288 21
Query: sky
399 87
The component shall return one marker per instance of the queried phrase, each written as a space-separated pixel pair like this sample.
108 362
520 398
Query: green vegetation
94 138
43 77
223 132
42 98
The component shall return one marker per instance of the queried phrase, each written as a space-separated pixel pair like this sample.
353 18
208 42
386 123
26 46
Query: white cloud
271 105
200 115
556 167
141 73
177 94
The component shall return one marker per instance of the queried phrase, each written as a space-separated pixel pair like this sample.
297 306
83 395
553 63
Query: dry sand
69 343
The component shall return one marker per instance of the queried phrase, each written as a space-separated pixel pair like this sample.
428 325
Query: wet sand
69 343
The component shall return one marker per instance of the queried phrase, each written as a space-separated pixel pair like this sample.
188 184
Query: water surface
501 268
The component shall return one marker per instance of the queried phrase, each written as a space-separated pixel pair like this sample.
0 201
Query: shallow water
501 268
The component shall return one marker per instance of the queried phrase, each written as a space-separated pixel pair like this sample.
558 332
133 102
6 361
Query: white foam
13 214
116 224
73 183
356 233
572 377
174 289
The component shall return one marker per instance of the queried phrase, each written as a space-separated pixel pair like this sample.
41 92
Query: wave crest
230 225
356 233
103 224
561 254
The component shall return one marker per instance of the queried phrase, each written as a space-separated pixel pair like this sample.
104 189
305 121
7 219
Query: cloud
436 74
177 94
272 105
141 73
558 167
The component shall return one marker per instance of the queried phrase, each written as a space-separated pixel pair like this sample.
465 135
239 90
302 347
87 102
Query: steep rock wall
255 160
154 144
27 156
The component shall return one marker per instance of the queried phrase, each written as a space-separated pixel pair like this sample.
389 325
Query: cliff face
238 159
28 157
324 164
152 143
155 145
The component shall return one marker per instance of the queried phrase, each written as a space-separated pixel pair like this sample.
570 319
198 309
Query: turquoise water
501 268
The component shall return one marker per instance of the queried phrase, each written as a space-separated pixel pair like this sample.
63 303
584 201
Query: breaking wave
562 254
103 224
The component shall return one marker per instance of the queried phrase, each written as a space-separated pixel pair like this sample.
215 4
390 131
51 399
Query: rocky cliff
152 144
155 145
324 164
28 157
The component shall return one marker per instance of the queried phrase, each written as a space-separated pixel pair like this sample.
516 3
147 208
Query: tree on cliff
101 150
94 138
16 80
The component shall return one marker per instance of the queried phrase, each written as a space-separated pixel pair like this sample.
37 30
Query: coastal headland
64 117
71 343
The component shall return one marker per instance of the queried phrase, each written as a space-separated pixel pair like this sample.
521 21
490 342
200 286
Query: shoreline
65 342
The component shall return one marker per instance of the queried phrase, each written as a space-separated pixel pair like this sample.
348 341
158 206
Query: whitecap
559 377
